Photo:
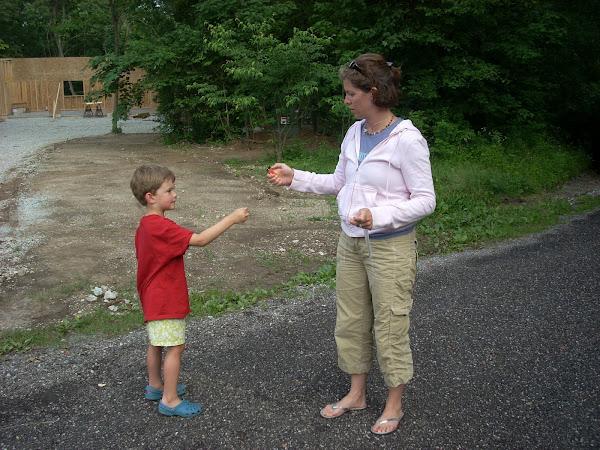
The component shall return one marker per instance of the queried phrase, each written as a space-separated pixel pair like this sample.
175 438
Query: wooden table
89 112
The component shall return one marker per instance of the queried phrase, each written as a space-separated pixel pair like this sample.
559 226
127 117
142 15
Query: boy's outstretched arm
210 234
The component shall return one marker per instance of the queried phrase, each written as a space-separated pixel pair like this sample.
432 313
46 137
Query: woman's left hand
363 219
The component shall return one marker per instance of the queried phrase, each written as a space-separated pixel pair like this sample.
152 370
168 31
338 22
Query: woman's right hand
280 175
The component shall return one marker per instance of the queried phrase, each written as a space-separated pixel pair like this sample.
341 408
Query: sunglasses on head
355 66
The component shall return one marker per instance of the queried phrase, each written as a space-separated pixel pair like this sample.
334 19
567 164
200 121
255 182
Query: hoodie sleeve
324 184
318 184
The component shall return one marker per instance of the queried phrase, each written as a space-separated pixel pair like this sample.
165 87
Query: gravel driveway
21 136
506 357
505 342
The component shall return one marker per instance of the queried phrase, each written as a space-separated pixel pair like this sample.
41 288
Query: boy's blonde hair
148 179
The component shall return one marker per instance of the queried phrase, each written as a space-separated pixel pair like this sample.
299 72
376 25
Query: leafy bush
299 156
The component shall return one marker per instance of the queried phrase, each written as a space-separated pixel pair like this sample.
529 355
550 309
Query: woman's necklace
377 132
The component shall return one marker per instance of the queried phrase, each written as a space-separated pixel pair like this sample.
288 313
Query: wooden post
55 102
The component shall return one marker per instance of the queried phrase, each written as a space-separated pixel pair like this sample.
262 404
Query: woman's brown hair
371 70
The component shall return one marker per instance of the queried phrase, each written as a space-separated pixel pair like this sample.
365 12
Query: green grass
495 189
98 322
586 203
321 160
215 303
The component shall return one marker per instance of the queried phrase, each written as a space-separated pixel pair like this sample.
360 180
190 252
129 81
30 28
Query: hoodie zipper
358 164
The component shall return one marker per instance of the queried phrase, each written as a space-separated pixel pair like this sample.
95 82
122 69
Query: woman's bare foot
348 403
387 425
392 414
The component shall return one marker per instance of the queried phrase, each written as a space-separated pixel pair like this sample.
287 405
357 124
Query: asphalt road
506 344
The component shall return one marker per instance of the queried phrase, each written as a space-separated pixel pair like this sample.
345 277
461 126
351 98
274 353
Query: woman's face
359 101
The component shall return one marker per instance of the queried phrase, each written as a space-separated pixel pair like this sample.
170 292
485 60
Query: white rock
91 298
98 291
110 295
113 308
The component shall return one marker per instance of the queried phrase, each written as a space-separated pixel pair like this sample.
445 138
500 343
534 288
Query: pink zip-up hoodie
394 181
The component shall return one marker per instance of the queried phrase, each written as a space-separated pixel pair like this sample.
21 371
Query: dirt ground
69 226
68 221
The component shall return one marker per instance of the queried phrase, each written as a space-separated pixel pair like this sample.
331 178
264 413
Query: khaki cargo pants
375 295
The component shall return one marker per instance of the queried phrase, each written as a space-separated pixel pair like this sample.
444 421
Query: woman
384 186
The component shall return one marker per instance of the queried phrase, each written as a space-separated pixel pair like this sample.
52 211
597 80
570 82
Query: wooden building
50 84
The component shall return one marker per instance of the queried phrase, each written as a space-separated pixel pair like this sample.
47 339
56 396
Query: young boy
160 245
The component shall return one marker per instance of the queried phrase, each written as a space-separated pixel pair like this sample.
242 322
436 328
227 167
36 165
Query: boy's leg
171 369
154 362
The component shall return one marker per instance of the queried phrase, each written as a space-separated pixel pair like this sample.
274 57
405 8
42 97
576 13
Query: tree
222 67
64 27
3 48
266 79
215 81
113 69
13 31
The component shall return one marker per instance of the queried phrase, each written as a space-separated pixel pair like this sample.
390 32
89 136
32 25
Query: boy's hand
280 174
240 215
210 234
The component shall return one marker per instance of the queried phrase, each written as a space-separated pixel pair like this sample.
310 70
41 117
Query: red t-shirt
160 245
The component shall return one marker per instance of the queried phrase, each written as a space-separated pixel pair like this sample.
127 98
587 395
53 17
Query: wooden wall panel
35 82
5 78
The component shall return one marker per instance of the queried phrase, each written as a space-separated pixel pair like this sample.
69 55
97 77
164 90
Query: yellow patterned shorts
166 333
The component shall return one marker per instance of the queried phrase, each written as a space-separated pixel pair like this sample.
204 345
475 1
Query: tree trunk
116 29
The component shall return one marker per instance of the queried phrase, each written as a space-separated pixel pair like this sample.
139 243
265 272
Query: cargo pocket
402 301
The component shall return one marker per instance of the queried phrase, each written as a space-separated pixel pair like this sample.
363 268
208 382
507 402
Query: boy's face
165 196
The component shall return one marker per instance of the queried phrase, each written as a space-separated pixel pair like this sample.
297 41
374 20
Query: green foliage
259 79
472 224
112 74
587 203
494 188
495 168
447 136
324 276
3 48
15 346
216 303
99 321
68 325
222 67
36 28
298 155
